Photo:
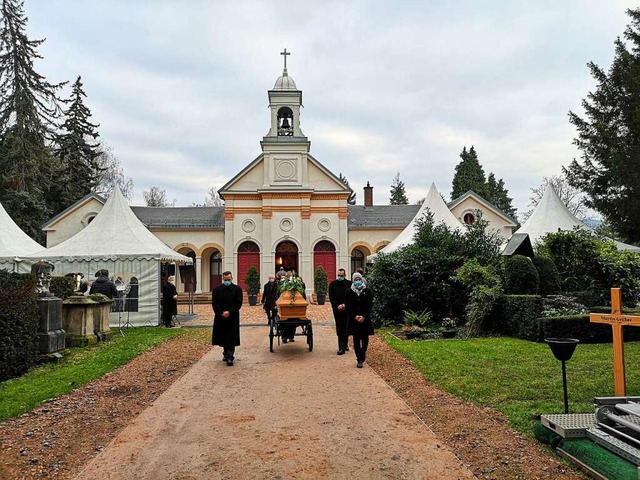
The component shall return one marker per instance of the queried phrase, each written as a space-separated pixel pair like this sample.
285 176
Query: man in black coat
270 294
103 285
337 291
226 300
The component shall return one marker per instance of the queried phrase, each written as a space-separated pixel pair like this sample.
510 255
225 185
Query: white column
198 267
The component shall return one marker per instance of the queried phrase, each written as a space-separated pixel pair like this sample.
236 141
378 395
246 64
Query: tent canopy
13 241
441 214
552 215
114 234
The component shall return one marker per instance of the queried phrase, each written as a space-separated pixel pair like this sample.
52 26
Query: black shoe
360 364
285 340
292 339
346 349
340 352
229 363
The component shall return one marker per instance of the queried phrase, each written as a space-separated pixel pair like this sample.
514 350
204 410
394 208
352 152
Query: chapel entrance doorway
324 255
287 257
248 255
215 269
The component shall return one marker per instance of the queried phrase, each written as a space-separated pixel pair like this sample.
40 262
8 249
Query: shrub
62 287
549 278
588 263
421 319
560 306
484 286
517 316
422 276
252 280
575 326
320 284
521 277
18 324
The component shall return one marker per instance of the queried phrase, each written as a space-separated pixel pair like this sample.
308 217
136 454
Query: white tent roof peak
115 233
441 214
13 241
550 215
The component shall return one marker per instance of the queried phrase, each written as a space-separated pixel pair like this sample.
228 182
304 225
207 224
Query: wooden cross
285 53
617 320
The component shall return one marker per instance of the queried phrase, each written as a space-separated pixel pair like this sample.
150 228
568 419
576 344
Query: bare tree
156 197
110 174
570 196
213 198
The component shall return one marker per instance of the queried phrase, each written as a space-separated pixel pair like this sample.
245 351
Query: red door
248 255
324 254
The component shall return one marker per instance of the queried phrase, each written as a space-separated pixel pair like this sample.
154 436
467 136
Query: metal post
564 387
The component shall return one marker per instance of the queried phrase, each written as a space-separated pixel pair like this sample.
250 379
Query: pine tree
469 175
609 138
78 157
29 109
398 192
352 197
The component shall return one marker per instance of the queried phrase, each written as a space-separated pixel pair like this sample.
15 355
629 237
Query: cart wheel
310 338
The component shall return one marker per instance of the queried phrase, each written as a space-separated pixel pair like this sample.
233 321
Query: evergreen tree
398 192
609 138
352 197
78 156
29 109
469 175
498 195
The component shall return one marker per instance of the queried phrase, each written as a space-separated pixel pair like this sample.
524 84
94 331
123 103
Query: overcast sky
179 88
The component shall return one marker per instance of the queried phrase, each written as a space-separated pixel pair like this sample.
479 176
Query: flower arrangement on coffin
291 303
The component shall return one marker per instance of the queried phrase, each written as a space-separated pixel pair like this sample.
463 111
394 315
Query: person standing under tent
169 301
226 301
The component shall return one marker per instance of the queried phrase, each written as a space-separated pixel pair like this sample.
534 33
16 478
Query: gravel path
287 414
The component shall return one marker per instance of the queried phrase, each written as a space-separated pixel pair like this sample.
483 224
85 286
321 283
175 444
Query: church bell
285 123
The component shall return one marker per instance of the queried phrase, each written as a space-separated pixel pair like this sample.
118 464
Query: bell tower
285 148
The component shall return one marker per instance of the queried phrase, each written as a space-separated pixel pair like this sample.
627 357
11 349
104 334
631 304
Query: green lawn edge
78 367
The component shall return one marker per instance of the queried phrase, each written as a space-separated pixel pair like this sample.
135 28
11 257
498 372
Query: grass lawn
519 378
79 366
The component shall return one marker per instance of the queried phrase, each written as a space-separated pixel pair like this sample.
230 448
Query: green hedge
579 326
18 324
548 275
520 276
62 287
517 316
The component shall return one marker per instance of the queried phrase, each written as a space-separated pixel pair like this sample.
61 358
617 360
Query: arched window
357 260
469 218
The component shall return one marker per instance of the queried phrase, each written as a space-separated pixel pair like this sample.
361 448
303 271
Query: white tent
552 215
441 214
118 241
14 245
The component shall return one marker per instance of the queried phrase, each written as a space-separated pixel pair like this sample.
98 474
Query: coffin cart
279 328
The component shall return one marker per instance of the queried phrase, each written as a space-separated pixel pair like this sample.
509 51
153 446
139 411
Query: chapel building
284 209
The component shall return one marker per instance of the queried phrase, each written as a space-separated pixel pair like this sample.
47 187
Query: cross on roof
285 53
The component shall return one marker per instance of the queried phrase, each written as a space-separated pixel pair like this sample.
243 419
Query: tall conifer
609 138
29 108
469 175
398 192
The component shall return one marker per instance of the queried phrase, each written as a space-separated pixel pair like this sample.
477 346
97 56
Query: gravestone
51 336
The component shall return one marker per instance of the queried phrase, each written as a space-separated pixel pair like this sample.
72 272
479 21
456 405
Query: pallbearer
337 292
226 300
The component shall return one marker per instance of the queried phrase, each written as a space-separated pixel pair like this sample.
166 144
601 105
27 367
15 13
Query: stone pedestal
51 336
101 318
78 316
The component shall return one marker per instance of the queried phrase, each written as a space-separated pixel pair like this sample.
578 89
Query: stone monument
51 336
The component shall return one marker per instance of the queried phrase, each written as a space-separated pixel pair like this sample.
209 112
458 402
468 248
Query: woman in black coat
169 301
358 303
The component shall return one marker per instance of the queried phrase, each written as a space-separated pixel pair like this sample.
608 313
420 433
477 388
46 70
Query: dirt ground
61 437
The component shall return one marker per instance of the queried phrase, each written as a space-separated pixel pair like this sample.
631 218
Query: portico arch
286 256
359 258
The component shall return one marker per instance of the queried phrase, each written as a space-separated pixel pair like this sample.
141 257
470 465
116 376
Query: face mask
340 277
226 283
172 282
358 283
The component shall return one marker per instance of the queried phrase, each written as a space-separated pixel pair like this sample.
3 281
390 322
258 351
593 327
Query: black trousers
360 345
343 342
271 314
228 352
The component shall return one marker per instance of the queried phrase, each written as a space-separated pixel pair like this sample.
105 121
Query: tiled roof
181 218
381 216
